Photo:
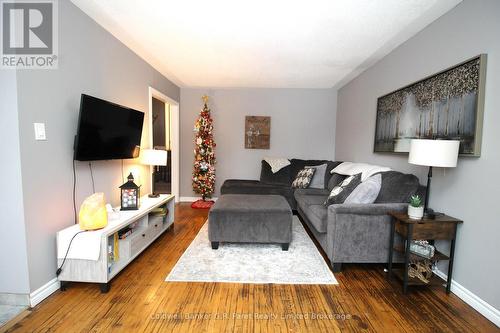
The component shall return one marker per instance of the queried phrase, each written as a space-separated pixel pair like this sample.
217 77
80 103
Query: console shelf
148 226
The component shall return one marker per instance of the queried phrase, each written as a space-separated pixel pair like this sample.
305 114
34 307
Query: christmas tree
204 156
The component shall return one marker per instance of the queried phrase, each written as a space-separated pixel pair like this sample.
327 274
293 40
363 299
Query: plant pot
415 213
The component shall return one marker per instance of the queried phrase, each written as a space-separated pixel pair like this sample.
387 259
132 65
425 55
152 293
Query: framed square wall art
257 132
447 105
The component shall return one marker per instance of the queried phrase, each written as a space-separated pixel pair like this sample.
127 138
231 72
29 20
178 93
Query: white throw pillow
366 192
276 164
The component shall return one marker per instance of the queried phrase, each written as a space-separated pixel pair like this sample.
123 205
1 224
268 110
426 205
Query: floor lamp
433 153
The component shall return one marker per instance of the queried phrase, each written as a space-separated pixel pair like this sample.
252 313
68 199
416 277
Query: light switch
40 131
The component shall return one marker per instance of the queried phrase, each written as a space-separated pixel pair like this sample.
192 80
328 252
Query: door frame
174 134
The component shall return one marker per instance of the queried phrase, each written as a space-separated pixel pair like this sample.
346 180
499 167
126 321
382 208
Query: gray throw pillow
318 180
340 192
303 178
366 192
335 179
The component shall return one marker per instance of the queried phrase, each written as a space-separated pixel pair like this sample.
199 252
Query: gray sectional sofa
348 233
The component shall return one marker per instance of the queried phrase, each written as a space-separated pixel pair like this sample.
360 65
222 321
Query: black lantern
130 194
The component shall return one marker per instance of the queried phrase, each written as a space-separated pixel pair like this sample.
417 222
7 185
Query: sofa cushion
318 180
318 216
282 177
311 191
237 186
397 187
312 206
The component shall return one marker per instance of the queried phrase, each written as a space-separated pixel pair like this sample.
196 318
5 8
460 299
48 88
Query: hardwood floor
141 301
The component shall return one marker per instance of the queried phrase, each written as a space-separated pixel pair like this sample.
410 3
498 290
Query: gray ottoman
247 218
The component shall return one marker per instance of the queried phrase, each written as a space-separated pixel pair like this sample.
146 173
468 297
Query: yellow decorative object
115 247
93 214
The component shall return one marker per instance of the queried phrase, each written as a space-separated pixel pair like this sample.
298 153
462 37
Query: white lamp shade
154 157
436 153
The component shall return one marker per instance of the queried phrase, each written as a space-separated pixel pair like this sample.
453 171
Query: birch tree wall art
448 105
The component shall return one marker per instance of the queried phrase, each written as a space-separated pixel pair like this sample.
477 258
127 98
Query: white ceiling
263 43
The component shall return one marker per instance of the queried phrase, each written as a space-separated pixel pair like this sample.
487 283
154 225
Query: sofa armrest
359 232
366 209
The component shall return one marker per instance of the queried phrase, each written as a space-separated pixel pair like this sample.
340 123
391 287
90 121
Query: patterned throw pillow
303 178
340 192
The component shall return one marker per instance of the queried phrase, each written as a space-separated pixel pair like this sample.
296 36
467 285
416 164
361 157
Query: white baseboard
44 291
472 299
193 199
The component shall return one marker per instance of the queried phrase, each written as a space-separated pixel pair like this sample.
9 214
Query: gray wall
13 255
469 191
302 126
91 61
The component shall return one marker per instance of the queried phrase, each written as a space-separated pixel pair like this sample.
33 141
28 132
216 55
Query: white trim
44 291
472 299
193 199
174 126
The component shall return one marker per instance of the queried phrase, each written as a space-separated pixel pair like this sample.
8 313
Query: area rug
253 263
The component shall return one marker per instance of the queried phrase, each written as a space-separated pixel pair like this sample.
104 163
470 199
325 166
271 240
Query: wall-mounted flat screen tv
107 131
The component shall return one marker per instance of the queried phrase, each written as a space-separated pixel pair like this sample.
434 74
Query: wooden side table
443 227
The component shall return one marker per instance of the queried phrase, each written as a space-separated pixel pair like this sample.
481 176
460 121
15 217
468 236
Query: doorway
164 135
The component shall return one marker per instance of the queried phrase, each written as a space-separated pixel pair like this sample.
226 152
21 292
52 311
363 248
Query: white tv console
147 228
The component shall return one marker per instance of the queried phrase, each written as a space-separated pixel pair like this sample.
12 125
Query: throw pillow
340 192
276 164
335 179
318 180
303 178
366 192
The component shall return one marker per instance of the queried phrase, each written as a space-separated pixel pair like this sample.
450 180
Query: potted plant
415 208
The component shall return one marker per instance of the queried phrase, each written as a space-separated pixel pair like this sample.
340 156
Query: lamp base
154 195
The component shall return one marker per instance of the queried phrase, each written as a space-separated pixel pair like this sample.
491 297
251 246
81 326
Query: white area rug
253 263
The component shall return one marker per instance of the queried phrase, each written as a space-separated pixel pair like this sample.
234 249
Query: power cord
74 192
59 270
123 177
92 177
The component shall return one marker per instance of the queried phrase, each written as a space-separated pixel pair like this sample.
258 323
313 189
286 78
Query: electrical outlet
40 131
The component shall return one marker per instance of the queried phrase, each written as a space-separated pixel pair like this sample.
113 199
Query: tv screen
107 131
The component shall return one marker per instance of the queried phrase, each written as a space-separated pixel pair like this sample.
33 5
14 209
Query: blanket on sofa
366 170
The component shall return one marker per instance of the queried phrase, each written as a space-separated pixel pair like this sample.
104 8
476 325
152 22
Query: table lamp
154 157
433 153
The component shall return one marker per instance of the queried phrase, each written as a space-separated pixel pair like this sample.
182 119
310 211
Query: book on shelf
160 211
113 250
